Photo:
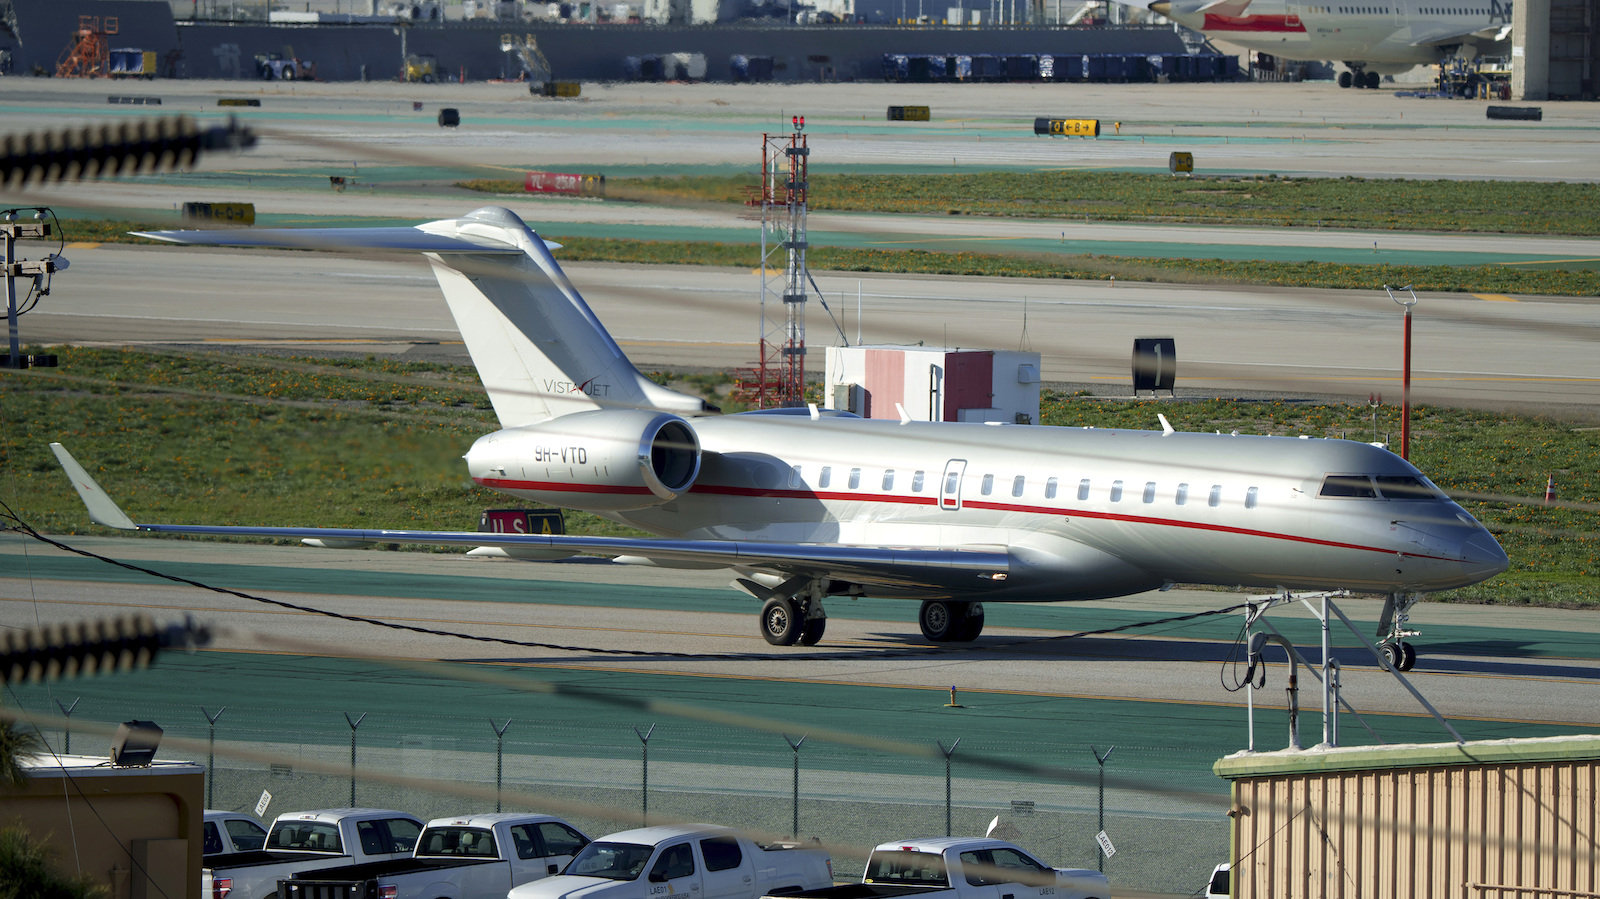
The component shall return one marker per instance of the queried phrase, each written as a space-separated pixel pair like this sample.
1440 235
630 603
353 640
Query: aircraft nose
1161 7
1482 557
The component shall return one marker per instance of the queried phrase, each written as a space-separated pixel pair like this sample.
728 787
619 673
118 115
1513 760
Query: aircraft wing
1442 34
907 568
402 238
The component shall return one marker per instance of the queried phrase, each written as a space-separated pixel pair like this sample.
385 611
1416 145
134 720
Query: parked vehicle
1220 884
421 67
309 841
697 860
467 857
225 833
963 868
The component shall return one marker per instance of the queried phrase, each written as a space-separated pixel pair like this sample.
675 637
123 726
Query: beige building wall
137 830
1514 819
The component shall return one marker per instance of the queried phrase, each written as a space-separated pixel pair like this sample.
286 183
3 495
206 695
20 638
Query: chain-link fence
1166 838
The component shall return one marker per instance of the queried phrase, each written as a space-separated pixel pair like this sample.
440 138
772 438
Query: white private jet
1385 37
805 504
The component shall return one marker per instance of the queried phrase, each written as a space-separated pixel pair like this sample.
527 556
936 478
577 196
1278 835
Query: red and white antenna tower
781 373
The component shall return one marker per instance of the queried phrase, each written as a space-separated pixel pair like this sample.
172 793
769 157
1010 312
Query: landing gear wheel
1372 81
1345 79
1393 654
938 620
811 633
1408 657
971 623
781 624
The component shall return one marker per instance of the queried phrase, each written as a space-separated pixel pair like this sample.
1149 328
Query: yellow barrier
228 213
1067 127
236 101
908 113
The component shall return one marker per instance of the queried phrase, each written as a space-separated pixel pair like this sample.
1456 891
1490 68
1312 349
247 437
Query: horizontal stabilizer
400 239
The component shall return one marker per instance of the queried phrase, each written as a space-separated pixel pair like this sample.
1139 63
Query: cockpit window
1357 486
1404 487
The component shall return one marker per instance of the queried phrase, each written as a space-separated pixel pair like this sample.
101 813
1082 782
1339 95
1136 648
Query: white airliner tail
536 344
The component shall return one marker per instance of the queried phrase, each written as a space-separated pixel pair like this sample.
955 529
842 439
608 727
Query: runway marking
83 245
1496 297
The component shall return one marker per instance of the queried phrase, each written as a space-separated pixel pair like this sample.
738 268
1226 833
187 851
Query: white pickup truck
309 841
696 861
229 833
963 868
464 857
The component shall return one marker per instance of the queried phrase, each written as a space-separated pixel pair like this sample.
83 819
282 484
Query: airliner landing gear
1392 631
944 621
1359 78
792 612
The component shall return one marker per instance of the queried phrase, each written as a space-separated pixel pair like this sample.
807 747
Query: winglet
1166 426
101 508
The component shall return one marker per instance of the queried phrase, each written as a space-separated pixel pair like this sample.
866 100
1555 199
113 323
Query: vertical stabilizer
537 346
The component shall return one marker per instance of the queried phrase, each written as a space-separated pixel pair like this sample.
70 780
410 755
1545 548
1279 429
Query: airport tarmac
1487 351
1308 128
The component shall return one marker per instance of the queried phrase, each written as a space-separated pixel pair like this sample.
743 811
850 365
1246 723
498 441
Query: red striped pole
1550 488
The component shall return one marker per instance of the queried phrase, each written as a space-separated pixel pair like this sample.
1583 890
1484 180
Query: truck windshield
921 868
315 836
613 861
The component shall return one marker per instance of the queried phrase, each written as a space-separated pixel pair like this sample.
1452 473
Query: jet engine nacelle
607 460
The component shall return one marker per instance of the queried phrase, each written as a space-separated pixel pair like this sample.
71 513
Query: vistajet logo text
587 388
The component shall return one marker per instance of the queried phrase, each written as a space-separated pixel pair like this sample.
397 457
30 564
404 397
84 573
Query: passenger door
729 873
950 485
542 849
674 873
1015 874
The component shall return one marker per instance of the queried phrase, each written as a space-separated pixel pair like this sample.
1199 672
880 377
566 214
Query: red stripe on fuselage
1254 24
776 493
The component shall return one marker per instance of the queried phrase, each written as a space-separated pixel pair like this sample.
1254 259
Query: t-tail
536 344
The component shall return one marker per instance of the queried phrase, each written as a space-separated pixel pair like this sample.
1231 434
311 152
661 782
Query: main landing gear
790 612
1392 631
945 621
1358 77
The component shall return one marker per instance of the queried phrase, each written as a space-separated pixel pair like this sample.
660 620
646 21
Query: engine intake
607 460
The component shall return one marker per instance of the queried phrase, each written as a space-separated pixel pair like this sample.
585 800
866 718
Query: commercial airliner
804 504
1371 37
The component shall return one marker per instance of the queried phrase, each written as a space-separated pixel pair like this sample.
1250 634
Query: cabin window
1050 489
888 479
1215 499
916 482
1350 486
952 478
1250 497
988 485
825 476
794 477
855 478
1116 491
1083 489
1149 491
1182 496
1017 484
1404 487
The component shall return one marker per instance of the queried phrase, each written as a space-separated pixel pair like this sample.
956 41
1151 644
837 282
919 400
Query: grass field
1511 207
1497 279
366 442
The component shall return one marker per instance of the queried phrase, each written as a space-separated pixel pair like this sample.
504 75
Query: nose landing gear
1392 631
